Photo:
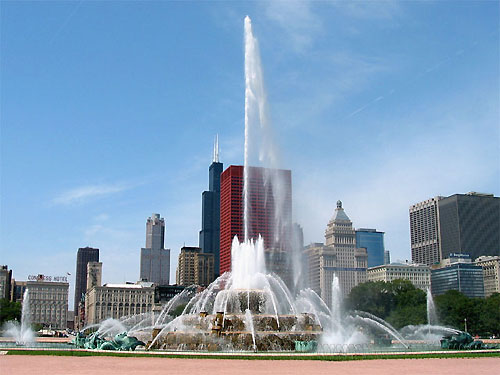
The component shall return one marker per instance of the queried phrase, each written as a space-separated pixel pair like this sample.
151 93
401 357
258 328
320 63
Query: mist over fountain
22 332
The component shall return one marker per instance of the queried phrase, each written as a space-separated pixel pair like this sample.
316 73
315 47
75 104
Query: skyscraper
231 213
424 232
387 257
373 242
195 267
155 259
267 216
155 232
94 274
349 261
340 256
5 282
83 256
469 223
210 211
461 223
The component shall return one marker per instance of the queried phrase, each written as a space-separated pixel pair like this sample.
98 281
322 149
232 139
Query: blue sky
109 111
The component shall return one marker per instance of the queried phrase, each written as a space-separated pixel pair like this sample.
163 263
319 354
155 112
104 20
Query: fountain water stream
431 309
249 326
336 302
22 333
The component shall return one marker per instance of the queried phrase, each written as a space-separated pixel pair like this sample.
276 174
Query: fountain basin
230 332
236 340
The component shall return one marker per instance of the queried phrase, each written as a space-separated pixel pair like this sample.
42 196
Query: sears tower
210 211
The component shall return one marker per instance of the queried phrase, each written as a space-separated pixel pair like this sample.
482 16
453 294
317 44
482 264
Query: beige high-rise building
491 273
418 274
94 274
48 302
194 267
339 256
425 232
315 255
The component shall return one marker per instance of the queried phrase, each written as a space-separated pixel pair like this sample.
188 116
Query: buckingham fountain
250 308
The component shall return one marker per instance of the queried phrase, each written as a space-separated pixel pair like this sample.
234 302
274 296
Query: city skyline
109 111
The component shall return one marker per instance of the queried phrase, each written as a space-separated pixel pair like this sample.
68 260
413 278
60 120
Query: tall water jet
336 302
260 149
22 333
431 309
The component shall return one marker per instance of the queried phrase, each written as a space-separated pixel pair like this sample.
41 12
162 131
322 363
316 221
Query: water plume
22 332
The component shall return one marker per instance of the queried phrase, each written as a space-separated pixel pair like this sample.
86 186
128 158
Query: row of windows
124 298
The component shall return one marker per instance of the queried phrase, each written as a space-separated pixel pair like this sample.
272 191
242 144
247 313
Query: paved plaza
53 365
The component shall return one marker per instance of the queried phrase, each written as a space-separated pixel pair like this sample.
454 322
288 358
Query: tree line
400 303
9 311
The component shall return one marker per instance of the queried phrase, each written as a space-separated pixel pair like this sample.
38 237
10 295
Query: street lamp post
465 320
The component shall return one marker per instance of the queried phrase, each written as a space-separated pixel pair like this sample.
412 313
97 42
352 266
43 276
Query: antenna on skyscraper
216 149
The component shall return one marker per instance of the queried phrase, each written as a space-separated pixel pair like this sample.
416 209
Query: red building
270 219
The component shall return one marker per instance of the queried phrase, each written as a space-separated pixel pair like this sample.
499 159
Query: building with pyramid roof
338 256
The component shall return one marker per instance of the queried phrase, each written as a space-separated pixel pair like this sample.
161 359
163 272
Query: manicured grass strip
325 357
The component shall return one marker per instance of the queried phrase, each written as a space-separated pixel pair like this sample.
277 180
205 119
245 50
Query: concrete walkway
53 365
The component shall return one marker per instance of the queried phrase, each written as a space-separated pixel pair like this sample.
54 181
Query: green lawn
317 357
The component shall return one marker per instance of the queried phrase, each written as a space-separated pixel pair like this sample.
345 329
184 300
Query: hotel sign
53 279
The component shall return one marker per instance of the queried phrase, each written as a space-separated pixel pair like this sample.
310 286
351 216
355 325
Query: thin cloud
451 58
383 10
84 193
347 74
303 20
377 194
297 19
66 21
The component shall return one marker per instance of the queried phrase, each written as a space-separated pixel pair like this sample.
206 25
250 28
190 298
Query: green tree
411 305
399 302
376 298
9 310
452 308
489 316
483 315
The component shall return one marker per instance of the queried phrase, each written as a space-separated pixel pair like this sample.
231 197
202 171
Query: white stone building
117 300
418 274
48 303
491 273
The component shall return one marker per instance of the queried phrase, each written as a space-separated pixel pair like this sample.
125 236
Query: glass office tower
373 242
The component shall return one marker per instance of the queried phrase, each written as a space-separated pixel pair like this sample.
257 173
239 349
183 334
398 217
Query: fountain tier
232 331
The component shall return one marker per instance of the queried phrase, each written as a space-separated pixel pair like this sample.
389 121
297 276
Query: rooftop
125 286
